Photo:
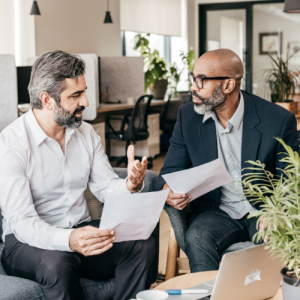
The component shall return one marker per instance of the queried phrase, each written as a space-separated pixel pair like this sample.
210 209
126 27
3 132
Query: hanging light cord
107 6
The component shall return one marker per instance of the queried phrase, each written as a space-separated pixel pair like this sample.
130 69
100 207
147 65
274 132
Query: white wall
77 26
17 35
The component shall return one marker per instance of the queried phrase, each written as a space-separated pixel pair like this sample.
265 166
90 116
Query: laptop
248 274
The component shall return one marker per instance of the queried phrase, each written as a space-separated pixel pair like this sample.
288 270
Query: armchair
176 242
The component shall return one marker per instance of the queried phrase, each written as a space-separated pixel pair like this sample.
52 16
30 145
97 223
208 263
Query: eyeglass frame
203 78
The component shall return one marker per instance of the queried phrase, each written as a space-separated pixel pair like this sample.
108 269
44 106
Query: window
168 47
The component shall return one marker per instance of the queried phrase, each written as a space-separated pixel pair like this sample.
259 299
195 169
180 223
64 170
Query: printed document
133 217
199 180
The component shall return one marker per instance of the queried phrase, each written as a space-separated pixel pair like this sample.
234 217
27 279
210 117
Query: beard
208 104
65 119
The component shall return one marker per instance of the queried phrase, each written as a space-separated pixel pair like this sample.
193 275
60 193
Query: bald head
220 63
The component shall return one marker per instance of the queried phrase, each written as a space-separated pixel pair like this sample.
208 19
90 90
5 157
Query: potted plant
155 67
282 83
279 197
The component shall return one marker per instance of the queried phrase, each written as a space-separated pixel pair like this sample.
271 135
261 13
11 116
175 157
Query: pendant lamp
292 6
108 18
35 9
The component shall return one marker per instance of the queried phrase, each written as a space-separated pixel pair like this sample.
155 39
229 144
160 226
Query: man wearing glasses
232 125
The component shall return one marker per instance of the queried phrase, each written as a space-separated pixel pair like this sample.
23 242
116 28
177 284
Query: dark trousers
130 263
210 233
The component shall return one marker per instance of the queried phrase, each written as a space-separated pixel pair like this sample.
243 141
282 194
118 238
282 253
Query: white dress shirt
42 189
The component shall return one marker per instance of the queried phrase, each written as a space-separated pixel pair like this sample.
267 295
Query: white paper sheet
199 180
133 217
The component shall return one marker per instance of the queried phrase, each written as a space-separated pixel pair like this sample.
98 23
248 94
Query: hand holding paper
133 217
199 180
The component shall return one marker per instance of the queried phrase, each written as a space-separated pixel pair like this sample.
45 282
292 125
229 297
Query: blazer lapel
209 140
251 136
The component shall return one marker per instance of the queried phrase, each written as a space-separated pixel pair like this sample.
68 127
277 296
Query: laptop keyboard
206 298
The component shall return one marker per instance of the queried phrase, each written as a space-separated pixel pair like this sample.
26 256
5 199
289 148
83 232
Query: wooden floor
165 224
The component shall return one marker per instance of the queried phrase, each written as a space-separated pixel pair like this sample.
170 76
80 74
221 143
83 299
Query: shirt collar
38 133
236 119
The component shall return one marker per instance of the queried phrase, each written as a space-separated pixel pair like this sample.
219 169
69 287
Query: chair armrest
178 222
149 180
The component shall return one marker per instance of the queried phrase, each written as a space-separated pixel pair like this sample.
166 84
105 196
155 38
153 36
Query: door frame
248 6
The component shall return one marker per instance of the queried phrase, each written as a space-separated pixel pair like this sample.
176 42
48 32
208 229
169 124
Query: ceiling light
108 18
35 9
292 6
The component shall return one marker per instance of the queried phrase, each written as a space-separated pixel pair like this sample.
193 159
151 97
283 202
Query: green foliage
279 197
280 79
189 59
155 67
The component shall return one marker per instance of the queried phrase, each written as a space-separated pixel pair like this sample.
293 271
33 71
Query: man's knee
193 238
58 266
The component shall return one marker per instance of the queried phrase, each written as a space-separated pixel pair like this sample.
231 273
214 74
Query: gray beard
64 119
208 104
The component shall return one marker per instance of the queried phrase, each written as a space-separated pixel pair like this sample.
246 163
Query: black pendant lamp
35 9
292 6
108 18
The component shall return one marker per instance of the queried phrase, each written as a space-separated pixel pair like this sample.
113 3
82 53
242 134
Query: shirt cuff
61 239
140 190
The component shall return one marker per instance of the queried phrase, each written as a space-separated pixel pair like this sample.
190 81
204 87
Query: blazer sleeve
289 135
177 158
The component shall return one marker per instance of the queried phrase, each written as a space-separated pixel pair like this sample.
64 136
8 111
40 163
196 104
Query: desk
186 281
108 107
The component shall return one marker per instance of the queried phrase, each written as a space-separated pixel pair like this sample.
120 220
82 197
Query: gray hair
49 72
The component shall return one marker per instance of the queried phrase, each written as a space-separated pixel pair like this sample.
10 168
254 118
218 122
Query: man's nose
194 87
84 100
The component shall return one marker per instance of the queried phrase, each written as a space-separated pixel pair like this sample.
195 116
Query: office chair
136 129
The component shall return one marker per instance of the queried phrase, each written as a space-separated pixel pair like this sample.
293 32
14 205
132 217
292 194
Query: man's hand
178 201
262 227
90 240
136 171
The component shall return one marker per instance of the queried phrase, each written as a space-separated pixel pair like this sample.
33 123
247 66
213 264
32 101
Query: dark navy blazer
194 143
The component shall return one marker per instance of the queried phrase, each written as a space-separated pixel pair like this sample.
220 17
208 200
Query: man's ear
229 86
46 100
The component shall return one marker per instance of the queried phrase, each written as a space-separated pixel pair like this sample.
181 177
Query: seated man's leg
209 234
130 263
58 272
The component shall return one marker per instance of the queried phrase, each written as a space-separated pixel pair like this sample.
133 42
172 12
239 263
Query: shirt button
236 176
227 155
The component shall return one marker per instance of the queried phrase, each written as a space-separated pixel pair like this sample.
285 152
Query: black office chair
136 129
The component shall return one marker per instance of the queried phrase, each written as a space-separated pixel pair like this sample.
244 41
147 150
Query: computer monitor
23 78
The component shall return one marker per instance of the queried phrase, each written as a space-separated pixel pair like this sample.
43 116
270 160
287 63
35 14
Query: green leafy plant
279 196
280 79
155 67
188 59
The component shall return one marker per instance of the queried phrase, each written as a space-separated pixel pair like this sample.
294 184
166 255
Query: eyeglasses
199 79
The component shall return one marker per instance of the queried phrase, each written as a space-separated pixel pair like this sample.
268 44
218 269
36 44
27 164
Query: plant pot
290 106
159 89
290 287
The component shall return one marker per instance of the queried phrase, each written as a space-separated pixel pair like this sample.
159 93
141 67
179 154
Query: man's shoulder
14 133
188 112
266 109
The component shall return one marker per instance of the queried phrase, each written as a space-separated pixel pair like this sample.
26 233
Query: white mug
130 100
151 295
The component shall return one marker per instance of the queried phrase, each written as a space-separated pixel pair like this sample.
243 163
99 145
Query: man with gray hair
236 127
47 158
